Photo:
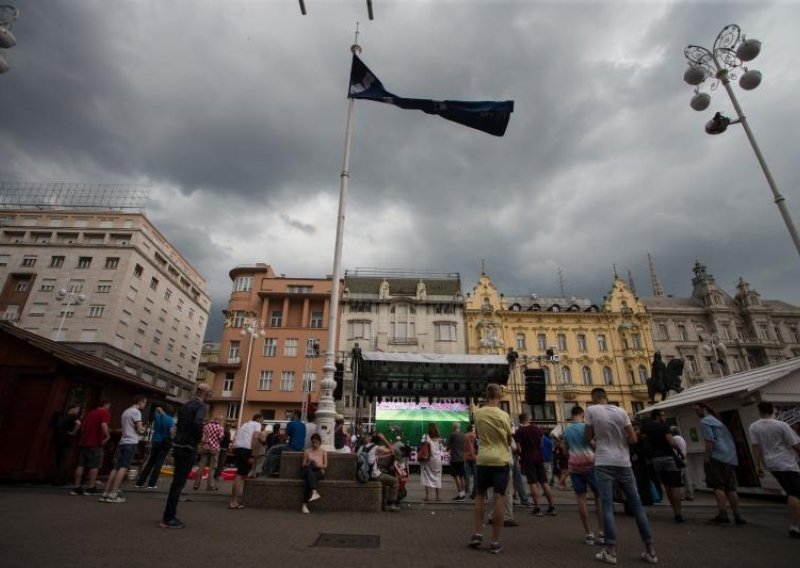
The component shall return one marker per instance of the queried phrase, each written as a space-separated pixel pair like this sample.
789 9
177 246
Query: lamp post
730 52
8 14
73 298
312 352
252 328
711 344
553 358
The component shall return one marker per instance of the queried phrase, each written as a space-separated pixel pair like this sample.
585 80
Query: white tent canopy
434 358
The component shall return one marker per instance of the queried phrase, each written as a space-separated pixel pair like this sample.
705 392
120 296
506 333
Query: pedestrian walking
529 447
209 453
470 464
777 447
243 453
455 444
160 444
94 435
663 453
493 426
128 445
66 427
720 465
188 434
581 472
611 429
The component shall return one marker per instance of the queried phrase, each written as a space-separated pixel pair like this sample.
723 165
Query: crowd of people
600 450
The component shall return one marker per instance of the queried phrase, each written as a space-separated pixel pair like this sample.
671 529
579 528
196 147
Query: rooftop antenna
631 284
483 267
655 281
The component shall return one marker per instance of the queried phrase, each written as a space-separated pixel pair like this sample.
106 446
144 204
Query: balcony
402 341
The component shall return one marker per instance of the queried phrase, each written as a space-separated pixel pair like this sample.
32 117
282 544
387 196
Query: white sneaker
304 509
589 539
314 496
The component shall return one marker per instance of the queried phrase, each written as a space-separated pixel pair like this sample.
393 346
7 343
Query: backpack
363 466
338 439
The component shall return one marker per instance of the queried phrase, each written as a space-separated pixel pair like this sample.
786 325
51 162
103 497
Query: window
763 331
137 271
608 376
637 407
308 381
243 284
265 381
562 342
21 286
566 375
778 334
290 347
544 412
602 345
112 262
402 325
795 331
126 317
447 332
4 259
636 340
96 311
541 341
642 374
727 331
270 347
586 374
167 294
154 283
29 261
521 341
693 363
227 385
316 319
233 411
287 380
88 335
711 364
48 285
238 318
663 332
276 320
104 287
581 342
736 363
312 347
233 351
75 286
38 309
682 333
57 261
446 309
359 330
360 308
84 261
298 289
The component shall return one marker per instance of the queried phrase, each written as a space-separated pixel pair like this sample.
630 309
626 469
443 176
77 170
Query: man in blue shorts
581 473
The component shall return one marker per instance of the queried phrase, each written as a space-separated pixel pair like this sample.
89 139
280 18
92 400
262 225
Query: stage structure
58 195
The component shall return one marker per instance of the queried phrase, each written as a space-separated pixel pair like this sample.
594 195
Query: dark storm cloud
235 112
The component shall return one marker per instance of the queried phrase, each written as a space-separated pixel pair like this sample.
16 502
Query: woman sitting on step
315 461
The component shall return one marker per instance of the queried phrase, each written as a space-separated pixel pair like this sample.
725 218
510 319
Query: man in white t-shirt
242 452
126 450
778 447
610 427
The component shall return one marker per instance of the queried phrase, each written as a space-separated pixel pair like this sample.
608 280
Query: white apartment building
131 299
399 312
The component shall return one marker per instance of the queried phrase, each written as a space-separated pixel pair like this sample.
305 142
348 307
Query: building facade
397 312
606 345
128 295
267 362
718 334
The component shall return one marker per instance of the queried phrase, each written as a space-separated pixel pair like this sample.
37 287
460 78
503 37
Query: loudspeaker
338 376
535 386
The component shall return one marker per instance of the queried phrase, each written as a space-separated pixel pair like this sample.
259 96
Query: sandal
606 557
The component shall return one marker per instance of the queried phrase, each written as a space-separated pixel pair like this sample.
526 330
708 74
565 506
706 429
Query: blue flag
488 116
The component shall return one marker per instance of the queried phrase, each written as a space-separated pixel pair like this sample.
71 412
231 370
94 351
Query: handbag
424 453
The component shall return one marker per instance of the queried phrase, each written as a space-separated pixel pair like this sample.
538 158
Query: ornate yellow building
608 345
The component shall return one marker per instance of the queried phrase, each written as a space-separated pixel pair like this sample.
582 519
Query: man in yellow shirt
493 427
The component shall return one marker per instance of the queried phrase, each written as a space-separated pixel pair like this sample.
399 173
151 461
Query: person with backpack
367 469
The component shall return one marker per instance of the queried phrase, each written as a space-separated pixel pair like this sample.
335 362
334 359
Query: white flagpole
326 412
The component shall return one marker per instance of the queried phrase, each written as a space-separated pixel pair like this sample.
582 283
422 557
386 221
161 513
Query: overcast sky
234 112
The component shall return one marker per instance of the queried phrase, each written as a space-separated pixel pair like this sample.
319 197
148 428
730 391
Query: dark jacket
190 424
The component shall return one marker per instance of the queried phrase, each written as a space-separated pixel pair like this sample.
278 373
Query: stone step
273 493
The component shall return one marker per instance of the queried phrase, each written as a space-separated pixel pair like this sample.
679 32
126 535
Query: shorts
789 481
90 457
534 473
582 482
457 469
720 476
492 476
125 455
668 471
242 457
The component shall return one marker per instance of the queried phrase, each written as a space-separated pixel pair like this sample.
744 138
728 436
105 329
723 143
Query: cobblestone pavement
43 526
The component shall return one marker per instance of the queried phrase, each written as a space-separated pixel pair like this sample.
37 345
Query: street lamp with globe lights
73 298
730 53
252 328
